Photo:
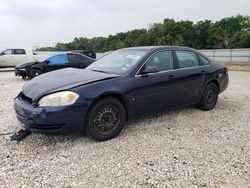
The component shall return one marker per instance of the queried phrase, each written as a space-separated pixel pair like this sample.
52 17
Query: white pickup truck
12 57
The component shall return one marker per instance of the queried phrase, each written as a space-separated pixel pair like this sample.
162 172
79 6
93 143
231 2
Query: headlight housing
63 98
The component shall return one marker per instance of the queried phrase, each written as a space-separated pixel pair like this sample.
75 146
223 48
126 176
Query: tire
106 119
24 77
35 72
209 97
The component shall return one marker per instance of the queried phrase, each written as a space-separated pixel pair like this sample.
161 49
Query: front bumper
21 72
49 120
224 83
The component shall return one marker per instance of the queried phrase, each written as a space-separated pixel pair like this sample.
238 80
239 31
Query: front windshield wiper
106 72
100 71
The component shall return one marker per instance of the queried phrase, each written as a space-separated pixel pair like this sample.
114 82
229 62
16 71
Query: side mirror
150 69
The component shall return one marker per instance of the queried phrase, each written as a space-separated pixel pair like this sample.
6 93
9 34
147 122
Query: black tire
106 119
209 97
35 72
24 77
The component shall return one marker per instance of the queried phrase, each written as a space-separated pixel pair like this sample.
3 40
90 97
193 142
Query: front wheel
34 73
209 97
106 119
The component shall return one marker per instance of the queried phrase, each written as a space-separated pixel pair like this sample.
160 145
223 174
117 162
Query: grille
48 127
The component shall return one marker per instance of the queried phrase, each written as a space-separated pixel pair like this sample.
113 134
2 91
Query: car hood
60 80
23 65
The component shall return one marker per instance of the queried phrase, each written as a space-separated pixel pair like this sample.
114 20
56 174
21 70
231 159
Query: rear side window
203 60
162 60
19 51
58 60
75 58
187 59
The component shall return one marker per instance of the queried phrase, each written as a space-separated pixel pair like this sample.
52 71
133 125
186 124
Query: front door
6 59
157 90
191 76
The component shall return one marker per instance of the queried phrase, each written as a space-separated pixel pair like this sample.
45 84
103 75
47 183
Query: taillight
225 70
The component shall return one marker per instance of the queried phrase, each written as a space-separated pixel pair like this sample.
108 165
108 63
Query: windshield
118 62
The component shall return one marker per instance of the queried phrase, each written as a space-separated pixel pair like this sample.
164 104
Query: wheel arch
115 95
37 67
216 82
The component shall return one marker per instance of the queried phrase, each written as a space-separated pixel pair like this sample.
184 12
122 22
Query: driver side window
7 52
161 60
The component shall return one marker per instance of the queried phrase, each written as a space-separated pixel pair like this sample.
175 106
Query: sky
36 23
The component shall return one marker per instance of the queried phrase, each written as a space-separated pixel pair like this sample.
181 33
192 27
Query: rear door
191 76
157 90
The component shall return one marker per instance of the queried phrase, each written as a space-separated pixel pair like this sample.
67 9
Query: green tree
244 40
231 32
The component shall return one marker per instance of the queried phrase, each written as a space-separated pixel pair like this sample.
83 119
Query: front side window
58 60
118 62
75 58
7 52
162 60
187 59
204 61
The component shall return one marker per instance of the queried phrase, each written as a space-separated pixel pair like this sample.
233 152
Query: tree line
230 32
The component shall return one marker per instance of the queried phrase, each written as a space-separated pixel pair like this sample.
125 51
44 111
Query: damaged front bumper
49 120
21 72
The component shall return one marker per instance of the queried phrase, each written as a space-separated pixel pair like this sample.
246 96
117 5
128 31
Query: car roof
160 47
64 53
14 49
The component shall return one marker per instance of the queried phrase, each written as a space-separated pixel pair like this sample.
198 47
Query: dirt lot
180 148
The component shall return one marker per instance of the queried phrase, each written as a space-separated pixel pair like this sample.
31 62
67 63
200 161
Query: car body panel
42 84
156 91
190 83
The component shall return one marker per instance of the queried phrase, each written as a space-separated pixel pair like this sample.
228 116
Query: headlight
62 98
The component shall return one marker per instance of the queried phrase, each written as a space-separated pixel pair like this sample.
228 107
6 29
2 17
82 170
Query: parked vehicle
12 57
54 62
119 86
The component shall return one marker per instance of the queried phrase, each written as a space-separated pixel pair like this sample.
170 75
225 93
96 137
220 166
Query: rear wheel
34 73
106 119
209 98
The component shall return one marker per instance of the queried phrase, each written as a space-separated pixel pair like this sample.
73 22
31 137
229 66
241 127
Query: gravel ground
181 148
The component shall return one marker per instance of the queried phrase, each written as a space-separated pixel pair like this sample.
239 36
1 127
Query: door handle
171 77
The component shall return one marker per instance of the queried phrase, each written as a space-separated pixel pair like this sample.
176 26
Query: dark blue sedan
119 86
